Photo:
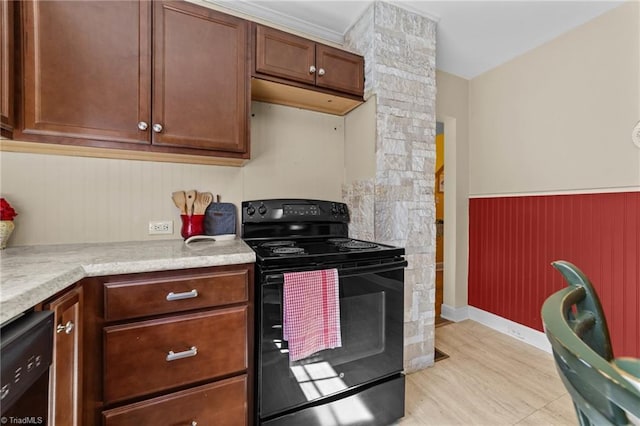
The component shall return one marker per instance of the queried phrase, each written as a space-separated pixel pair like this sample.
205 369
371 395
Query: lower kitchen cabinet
219 403
175 347
158 348
153 356
65 380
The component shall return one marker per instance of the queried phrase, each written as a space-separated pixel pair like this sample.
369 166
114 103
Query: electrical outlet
160 227
515 333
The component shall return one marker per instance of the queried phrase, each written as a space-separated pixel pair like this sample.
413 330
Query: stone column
399 50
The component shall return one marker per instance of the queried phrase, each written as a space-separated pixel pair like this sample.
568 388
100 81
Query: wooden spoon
191 198
180 200
203 199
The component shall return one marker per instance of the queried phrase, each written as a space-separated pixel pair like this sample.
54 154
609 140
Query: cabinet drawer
157 355
138 298
222 403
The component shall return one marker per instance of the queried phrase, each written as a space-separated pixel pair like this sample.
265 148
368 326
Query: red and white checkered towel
311 320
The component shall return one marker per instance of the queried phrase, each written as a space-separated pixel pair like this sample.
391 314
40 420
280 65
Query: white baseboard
454 314
526 334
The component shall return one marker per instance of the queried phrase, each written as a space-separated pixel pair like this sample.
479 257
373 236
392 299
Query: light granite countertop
31 274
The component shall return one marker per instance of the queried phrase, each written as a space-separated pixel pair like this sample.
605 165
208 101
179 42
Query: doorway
439 200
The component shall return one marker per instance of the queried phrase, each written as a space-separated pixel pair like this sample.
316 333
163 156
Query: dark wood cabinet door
201 93
147 357
86 71
284 55
139 297
6 67
222 403
339 70
65 385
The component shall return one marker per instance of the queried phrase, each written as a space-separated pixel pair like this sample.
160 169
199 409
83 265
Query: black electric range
361 382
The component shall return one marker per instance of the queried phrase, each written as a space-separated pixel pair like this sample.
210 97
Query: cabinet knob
312 69
143 126
321 71
157 128
67 328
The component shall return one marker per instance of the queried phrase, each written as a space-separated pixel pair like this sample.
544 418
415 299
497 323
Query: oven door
371 322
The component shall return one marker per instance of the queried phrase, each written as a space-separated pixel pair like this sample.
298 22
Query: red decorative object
6 211
192 225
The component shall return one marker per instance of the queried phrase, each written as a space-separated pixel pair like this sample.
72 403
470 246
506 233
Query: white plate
224 237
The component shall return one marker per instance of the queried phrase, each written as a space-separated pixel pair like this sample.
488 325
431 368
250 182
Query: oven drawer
157 355
222 403
149 296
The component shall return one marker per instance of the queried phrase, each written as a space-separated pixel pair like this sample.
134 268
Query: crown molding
256 10
409 7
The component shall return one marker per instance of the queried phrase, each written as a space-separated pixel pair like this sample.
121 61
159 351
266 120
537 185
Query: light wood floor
488 379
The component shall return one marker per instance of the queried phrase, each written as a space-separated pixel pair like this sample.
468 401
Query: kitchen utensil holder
192 225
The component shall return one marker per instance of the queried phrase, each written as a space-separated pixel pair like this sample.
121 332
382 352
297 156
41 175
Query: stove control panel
291 210
294 210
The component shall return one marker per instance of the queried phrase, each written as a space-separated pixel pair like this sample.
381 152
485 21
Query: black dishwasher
26 346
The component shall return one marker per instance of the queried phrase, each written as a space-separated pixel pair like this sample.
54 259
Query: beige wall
452 108
360 143
560 116
62 199
294 154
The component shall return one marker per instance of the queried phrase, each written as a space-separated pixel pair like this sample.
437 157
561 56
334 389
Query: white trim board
454 314
560 192
526 334
255 9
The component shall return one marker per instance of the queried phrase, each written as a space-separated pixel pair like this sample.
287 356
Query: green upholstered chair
577 330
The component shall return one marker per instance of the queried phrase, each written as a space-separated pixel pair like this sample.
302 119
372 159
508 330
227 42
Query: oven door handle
347 272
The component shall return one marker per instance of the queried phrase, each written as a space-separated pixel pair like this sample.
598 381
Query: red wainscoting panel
513 240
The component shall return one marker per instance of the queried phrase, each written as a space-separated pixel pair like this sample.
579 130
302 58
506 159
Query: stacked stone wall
399 50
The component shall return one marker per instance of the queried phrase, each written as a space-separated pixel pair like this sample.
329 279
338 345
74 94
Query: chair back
577 330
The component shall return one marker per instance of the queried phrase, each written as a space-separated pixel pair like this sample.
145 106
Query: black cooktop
303 233
318 250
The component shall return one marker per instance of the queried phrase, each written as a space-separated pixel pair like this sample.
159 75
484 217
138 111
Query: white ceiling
472 36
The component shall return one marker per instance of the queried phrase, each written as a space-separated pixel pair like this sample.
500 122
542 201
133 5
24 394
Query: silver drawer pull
172 356
179 296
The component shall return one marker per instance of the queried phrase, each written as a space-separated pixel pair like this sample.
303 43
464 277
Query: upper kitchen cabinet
162 77
6 67
314 76
285 55
201 95
339 70
86 75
